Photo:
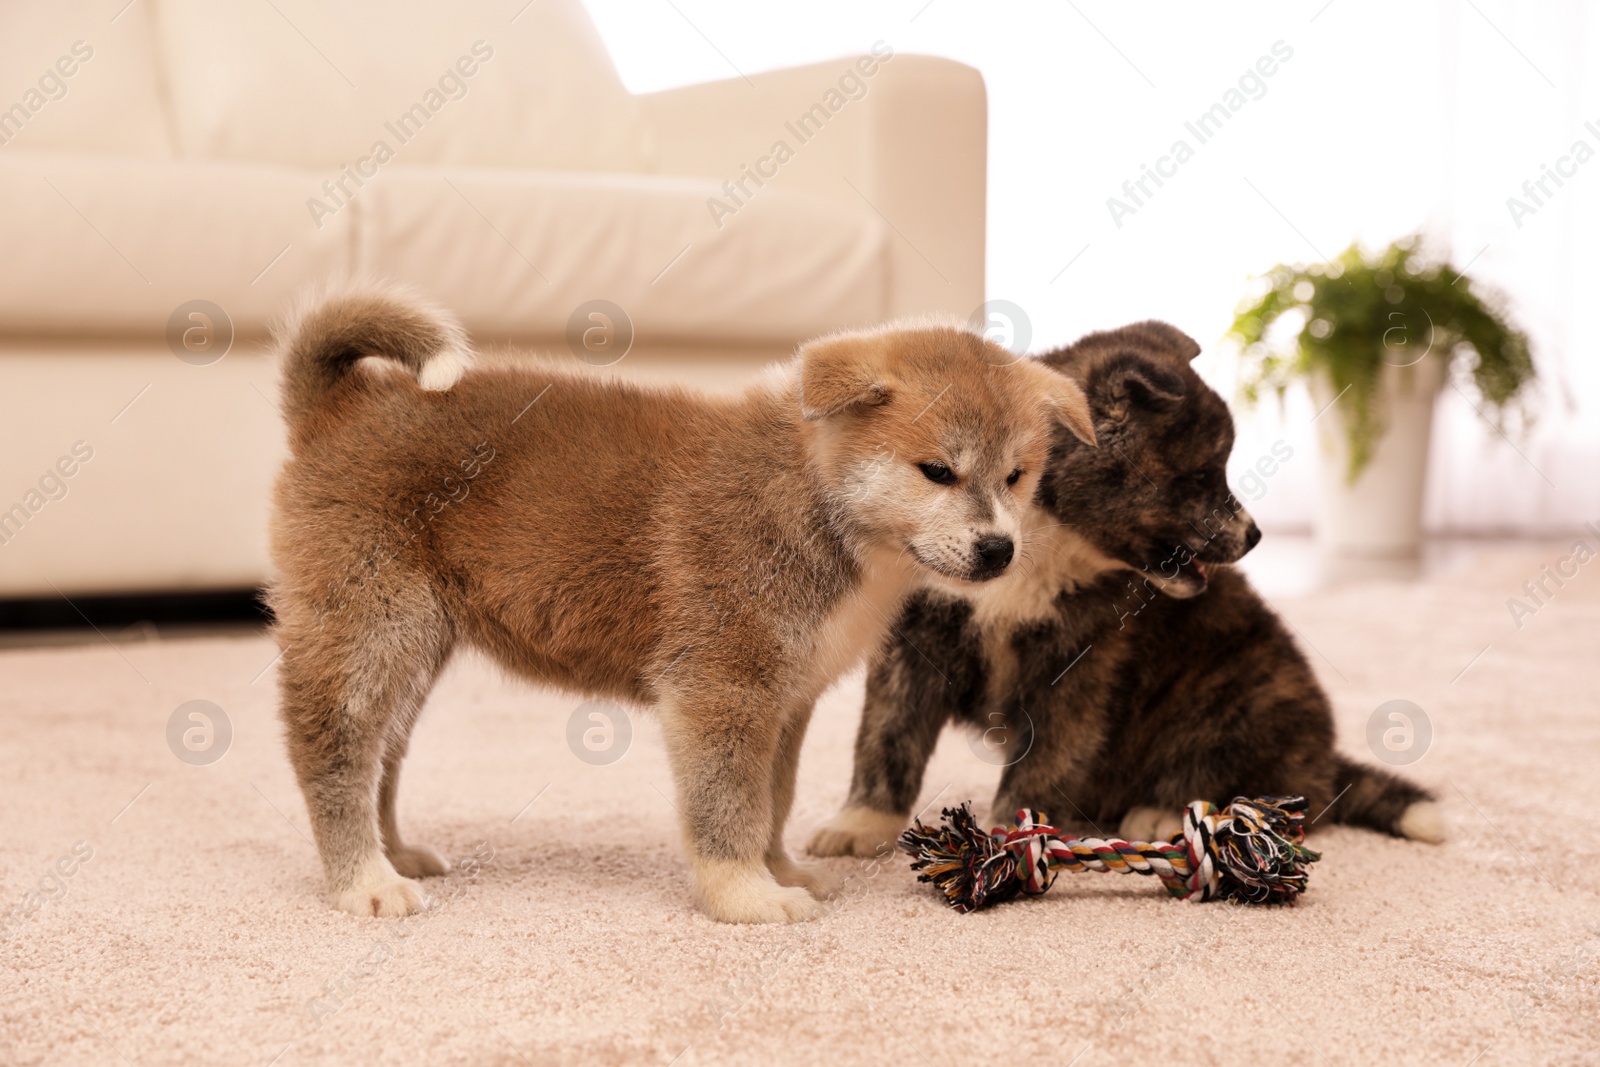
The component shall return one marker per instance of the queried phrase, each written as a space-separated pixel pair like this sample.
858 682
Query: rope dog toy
1251 852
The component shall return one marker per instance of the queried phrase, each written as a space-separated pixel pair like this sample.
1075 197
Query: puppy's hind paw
857 831
1150 824
813 880
418 861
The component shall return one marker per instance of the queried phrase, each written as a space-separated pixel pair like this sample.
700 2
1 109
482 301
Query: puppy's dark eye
938 472
1014 476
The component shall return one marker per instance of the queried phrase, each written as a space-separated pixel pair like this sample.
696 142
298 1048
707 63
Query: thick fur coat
1124 669
722 560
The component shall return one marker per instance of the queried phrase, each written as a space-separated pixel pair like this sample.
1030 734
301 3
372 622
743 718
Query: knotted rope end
967 863
1257 849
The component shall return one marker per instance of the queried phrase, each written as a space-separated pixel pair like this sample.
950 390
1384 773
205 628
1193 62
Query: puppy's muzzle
1193 569
991 556
1230 544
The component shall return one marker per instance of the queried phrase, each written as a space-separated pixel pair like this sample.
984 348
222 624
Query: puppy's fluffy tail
1386 802
321 344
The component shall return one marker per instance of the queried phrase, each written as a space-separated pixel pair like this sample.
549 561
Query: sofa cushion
466 82
100 245
80 77
515 253
114 245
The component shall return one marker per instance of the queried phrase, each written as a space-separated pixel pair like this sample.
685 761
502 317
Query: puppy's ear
840 373
1164 336
1065 399
1152 338
1138 381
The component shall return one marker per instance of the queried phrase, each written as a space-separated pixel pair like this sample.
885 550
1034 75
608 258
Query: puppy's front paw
1150 824
813 880
747 893
382 893
418 861
857 831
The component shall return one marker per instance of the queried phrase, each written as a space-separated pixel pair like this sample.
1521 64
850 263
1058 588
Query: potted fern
1376 339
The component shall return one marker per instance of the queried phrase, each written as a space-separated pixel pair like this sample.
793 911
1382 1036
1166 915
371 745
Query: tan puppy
723 560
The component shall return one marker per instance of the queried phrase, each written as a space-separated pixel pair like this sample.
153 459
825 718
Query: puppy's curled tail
1385 802
321 344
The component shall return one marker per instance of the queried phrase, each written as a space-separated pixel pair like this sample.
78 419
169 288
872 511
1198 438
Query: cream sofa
160 153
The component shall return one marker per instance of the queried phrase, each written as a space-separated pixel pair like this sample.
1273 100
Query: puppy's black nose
1252 537
994 553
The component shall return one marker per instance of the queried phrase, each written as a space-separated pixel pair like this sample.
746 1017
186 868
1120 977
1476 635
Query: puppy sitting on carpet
1122 692
721 559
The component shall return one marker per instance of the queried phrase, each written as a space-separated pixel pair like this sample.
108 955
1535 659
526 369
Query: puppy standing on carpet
722 559
1124 685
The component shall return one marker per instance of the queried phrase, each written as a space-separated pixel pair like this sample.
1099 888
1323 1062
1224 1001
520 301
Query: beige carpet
195 932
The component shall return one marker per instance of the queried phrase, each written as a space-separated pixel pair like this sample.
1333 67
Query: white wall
1388 117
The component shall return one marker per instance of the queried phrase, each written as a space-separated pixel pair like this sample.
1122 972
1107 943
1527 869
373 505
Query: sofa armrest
901 137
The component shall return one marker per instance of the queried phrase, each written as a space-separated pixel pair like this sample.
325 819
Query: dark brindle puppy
1123 692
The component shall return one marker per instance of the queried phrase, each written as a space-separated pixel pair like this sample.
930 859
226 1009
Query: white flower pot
1379 516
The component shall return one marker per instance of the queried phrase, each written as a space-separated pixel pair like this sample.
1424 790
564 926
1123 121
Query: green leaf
1360 312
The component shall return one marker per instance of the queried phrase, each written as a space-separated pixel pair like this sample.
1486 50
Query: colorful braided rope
1252 851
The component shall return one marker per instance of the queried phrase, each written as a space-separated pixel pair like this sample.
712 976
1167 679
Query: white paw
381 892
747 893
857 831
1423 821
443 370
418 861
813 880
1150 824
